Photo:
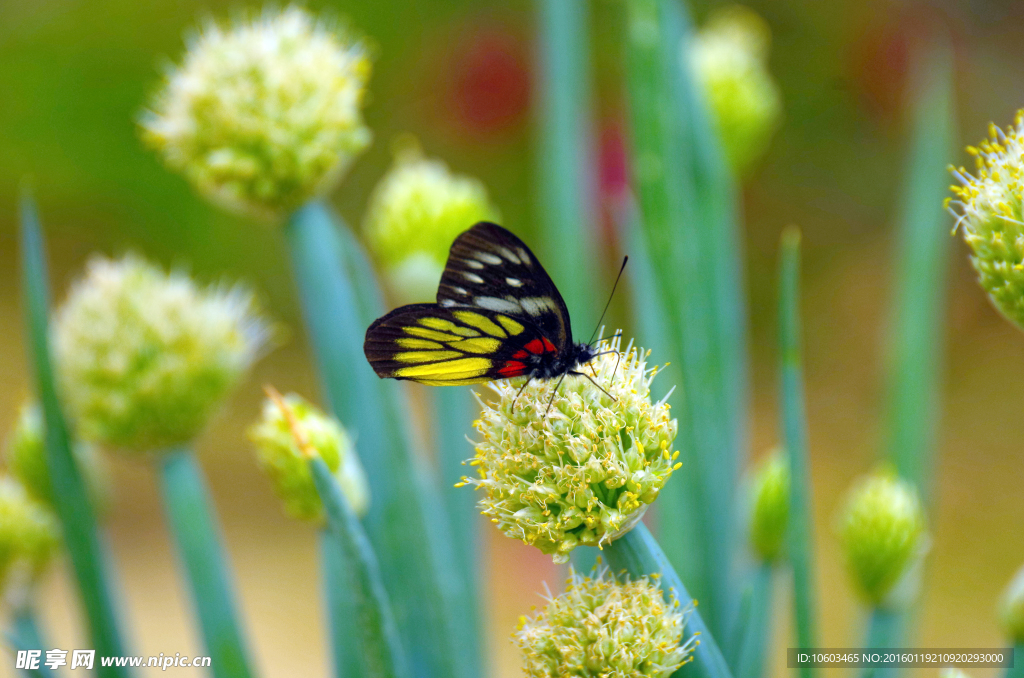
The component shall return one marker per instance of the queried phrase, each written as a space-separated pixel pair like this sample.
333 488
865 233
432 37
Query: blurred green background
460 76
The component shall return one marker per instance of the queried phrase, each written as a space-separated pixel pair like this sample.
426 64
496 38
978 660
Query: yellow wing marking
438 324
405 342
451 382
480 345
451 370
465 331
425 356
481 322
511 326
430 334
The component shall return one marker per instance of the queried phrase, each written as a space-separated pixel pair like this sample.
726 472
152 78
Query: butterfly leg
520 392
555 392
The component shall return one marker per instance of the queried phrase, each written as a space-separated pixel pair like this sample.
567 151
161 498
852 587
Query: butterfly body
498 316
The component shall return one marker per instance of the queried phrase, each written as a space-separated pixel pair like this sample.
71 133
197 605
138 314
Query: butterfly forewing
448 346
491 269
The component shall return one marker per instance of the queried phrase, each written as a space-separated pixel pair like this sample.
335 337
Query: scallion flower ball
1011 609
769 515
29 537
583 472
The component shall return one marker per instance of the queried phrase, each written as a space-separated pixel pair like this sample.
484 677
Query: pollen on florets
144 358
988 208
285 463
583 472
603 628
265 114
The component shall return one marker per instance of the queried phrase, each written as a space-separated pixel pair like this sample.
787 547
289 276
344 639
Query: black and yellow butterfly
498 315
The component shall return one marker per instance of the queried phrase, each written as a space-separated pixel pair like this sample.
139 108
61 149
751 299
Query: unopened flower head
282 459
1011 609
29 536
729 59
26 460
883 533
584 472
769 513
601 628
415 212
988 208
265 114
144 358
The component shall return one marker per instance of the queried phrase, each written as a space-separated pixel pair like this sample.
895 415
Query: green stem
71 498
639 554
884 631
382 655
564 171
341 609
189 517
757 626
24 635
794 424
1017 670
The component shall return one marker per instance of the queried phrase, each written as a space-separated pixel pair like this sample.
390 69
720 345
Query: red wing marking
520 354
548 346
535 346
512 368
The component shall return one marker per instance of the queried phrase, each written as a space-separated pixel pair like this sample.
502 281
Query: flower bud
283 461
882 530
265 114
145 358
29 536
600 627
769 513
27 462
414 214
583 472
729 58
987 207
1011 609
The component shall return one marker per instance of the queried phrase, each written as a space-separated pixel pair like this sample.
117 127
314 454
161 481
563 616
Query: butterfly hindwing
447 346
491 269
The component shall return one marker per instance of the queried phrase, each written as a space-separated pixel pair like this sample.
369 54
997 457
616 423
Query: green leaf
800 537
382 654
564 174
688 220
69 492
343 622
639 554
884 631
24 635
340 299
915 343
756 624
189 517
1017 671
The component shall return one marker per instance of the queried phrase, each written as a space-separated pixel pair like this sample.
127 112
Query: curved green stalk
382 654
24 635
342 621
71 498
800 537
757 624
638 553
884 631
1017 671
189 517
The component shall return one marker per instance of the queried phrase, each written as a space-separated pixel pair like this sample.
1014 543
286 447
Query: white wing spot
509 254
524 256
473 278
460 290
488 258
537 305
473 263
448 303
499 305
514 282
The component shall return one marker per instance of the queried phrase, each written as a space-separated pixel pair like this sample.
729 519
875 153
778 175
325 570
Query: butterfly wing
448 346
491 269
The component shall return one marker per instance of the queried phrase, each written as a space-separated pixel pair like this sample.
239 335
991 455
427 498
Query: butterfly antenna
520 392
553 394
610 296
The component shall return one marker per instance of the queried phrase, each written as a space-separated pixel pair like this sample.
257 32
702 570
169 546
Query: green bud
584 472
263 115
283 460
601 628
988 208
29 536
414 213
26 460
144 358
769 513
883 534
1011 609
729 58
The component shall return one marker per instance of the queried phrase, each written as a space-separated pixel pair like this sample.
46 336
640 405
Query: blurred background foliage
461 76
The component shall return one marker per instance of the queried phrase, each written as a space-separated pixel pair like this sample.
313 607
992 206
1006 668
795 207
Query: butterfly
498 315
